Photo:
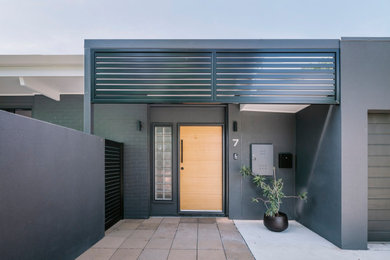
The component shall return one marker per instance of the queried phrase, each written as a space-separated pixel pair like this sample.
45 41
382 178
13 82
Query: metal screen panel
152 77
217 76
113 182
276 77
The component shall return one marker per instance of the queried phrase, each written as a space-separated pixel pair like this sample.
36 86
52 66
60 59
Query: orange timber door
201 168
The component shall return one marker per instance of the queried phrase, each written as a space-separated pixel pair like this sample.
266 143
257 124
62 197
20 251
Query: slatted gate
113 182
215 76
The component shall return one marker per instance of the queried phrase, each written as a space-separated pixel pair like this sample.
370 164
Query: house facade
190 113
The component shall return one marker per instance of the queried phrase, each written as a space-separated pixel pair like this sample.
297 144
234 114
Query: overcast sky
60 26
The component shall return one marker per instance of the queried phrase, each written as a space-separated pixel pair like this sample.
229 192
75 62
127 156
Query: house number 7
235 142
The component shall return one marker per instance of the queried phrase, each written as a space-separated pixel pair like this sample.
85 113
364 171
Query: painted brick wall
256 127
119 123
17 102
67 112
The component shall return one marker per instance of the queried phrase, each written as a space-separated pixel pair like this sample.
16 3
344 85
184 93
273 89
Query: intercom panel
262 159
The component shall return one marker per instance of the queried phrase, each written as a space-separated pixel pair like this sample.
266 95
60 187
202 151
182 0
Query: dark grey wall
365 85
175 115
119 123
67 112
51 189
256 127
318 170
17 102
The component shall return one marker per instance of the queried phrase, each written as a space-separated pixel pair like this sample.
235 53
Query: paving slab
97 254
126 254
188 220
154 254
159 243
211 254
109 242
135 243
177 254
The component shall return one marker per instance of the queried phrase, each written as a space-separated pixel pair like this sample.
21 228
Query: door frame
202 213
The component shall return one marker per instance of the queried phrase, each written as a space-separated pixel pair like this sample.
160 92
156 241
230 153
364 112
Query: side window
162 162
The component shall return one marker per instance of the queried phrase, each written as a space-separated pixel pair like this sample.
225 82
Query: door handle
181 151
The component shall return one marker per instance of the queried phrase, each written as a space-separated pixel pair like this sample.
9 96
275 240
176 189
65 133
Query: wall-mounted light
139 125
235 126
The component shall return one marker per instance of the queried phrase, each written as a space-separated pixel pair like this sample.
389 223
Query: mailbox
262 159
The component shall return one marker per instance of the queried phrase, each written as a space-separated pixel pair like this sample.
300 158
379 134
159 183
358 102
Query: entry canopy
49 75
296 74
275 108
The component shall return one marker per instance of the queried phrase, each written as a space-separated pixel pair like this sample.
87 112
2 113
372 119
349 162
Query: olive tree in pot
272 198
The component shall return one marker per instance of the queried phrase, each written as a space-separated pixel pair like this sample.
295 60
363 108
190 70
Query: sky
60 26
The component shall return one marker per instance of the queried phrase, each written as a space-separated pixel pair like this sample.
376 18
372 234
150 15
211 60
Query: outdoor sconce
139 125
235 126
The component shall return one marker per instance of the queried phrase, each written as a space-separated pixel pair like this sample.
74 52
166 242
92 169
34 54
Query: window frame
153 162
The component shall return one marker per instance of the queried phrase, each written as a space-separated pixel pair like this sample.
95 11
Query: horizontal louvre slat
132 92
152 99
146 82
276 76
114 198
277 92
280 65
159 77
274 60
124 71
112 161
279 71
274 54
111 194
156 65
112 158
112 210
161 86
271 87
112 150
255 81
113 177
278 99
152 54
146 60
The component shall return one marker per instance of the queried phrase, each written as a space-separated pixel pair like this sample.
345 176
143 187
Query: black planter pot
277 224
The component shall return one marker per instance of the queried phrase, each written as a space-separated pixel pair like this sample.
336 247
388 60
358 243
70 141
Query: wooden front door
201 167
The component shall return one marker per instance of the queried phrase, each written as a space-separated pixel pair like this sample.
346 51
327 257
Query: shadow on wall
318 170
300 204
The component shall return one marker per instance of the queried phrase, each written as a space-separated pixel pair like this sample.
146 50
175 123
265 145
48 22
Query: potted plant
272 197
